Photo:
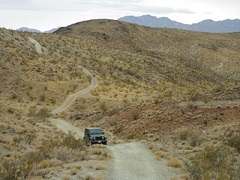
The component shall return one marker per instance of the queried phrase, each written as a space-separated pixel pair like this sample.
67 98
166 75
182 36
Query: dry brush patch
50 155
175 162
213 162
159 152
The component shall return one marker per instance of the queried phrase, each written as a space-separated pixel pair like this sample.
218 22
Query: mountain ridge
208 25
26 29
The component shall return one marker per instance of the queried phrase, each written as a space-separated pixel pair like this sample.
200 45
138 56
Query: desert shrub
135 116
194 96
64 154
50 148
42 172
89 177
71 142
130 136
42 97
214 162
73 171
117 130
49 162
43 113
232 139
32 111
103 107
196 140
17 139
29 138
13 168
219 88
100 166
184 134
174 162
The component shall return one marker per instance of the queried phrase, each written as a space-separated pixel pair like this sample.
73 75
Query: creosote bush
214 162
232 139
13 168
184 134
42 113
50 153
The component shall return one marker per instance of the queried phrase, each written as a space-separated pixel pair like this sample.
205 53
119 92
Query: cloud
15 4
160 10
130 6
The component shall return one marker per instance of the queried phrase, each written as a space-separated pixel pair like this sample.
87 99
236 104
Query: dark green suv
94 135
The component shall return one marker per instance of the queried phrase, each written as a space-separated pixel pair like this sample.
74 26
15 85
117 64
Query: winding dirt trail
37 45
66 127
71 98
130 160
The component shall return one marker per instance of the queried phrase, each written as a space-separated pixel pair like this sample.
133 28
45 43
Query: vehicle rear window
96 131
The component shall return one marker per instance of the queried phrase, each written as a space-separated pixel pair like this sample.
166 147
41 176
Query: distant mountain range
25 29
209 25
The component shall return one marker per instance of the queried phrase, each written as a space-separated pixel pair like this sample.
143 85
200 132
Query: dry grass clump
51 154
100 152
49 162
66 177
185 134
41 114
100 166
42 172
63 153
15 167
193 138
90 177
73 171
182 177
232 138
214 162
175 162
76 165
159 154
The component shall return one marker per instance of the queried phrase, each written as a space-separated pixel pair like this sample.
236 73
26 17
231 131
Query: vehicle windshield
96 131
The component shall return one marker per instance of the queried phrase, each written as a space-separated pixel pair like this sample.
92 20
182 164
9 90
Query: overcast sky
48 14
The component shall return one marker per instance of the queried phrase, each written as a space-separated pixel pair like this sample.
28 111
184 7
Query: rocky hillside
144 75
130 61
180 52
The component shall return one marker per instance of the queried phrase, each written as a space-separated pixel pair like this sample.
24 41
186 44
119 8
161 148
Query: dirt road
135 161
130 160
37 45
71 98
66 127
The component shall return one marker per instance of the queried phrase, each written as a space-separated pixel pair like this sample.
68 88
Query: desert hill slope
130 61
201 51
135 66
